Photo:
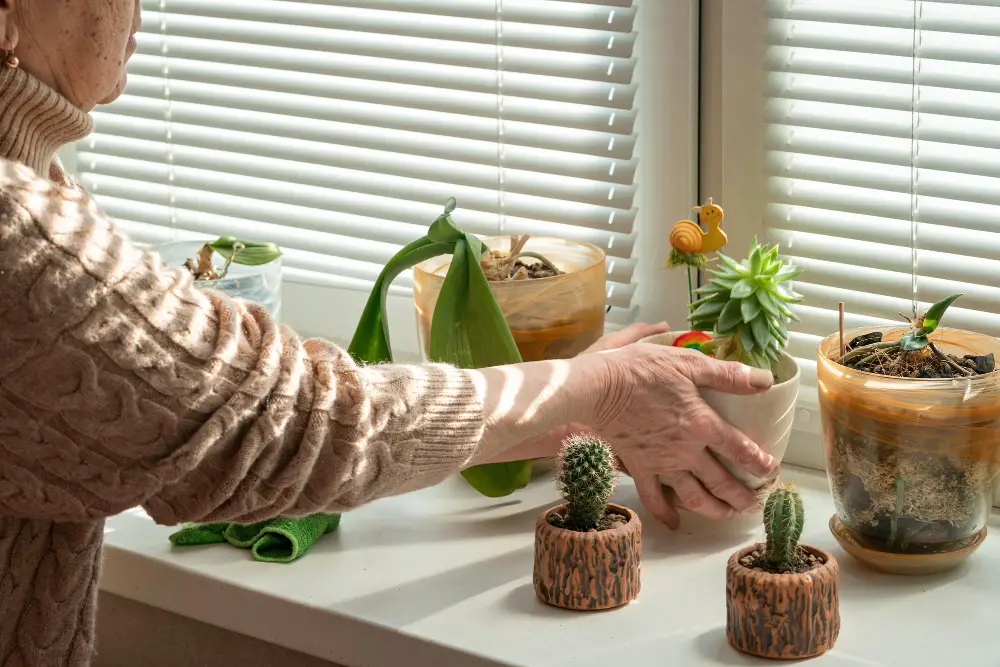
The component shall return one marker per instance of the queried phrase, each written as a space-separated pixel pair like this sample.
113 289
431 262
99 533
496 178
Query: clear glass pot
912 463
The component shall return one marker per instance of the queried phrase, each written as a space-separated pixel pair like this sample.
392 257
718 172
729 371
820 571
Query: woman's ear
8 27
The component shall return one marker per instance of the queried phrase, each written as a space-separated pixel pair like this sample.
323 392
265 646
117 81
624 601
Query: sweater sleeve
122 384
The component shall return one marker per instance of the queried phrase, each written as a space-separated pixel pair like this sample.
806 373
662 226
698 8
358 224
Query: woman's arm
122 384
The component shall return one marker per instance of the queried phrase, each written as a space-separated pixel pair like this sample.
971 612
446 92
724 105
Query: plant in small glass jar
742 314
587 550
782 597
911 424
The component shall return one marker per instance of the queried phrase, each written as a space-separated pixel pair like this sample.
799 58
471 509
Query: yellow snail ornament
689 245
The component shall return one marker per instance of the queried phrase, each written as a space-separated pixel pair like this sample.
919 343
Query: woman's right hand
648 407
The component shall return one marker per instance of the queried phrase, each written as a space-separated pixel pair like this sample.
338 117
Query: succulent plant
783 520
586 479
746 306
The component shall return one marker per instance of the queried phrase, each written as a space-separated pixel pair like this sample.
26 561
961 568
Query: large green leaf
468 329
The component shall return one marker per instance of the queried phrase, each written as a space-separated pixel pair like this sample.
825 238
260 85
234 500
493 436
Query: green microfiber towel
280 540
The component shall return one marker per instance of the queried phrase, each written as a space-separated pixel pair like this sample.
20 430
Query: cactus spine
783 520
586 479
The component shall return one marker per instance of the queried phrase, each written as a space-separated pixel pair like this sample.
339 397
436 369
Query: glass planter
912 463
260 284
550 318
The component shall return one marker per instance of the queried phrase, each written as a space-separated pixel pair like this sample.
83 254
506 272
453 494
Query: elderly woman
123 385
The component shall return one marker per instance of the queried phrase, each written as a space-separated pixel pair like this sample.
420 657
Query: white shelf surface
443 577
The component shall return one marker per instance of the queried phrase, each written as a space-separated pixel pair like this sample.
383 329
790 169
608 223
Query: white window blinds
883 158
339 128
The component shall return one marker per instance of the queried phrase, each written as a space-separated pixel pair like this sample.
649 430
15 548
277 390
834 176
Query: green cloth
280 540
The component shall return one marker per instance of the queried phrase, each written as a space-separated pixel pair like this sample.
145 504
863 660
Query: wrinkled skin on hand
653 415
650 410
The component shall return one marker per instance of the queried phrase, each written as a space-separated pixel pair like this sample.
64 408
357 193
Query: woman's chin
117 92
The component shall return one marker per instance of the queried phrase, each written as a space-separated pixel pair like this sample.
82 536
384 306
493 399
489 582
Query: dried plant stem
964 372
866 349
546 262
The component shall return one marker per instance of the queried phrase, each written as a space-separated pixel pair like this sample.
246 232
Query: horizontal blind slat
287 23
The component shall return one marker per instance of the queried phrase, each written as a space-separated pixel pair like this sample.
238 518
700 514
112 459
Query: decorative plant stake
689 245
782 598
587 551
913 456
468 330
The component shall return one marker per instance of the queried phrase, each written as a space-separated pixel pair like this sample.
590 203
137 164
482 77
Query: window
875 125
339 128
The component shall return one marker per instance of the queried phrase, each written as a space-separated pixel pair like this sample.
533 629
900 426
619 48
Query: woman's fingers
653 497
630 334
696 498
722 438
721 483
731 377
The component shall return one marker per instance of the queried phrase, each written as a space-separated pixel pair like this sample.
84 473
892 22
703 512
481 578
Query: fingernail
769 461
760 378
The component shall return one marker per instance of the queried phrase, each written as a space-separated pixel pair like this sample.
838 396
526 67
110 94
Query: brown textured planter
588 571
785 616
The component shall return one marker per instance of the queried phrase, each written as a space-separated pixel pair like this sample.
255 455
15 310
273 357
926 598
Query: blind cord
914 124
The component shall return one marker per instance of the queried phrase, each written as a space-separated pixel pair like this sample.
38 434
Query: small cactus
783 519
586 479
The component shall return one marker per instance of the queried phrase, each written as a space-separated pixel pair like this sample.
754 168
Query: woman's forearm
525 403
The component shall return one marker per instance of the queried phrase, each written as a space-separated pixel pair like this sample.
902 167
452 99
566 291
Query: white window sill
443 577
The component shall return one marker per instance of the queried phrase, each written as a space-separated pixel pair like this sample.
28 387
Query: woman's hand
650 410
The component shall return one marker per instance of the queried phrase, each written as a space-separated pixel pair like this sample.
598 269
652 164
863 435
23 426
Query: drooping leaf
746 337
467 329
708 309
252 253
761 333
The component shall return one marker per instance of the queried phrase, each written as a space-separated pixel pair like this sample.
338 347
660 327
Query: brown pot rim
829 567
583 244
833 362
633 520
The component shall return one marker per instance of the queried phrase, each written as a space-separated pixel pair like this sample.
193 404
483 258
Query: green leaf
913 341
725 285
744 288
724 274
934 314
788 272
787 295
252 254
739 269
495 480
750 308
746 337
729 317
756 260
761 333
767 302
708 309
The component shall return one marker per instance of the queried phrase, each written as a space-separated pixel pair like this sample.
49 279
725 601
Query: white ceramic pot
765 418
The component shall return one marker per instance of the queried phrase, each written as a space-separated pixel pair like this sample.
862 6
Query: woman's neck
36 121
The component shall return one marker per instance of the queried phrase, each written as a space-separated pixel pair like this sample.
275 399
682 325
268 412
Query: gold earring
9 60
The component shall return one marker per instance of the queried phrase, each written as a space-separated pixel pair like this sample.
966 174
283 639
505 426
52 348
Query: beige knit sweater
121 385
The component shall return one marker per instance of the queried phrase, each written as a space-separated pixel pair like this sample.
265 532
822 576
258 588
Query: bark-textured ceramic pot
784 616
591 570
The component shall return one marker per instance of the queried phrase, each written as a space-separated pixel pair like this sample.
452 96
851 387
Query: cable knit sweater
123 385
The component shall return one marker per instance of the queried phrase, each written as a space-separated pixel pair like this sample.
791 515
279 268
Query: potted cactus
782 597
746 308
587 550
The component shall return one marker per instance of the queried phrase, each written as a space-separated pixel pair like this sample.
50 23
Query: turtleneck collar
36 121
